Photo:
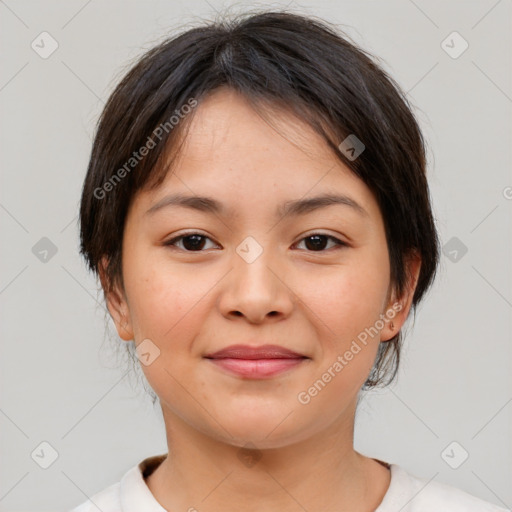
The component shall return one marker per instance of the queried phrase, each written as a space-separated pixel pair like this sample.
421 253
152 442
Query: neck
322 472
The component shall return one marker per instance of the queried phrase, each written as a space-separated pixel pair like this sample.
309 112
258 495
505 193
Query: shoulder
108 500
130 493
409 493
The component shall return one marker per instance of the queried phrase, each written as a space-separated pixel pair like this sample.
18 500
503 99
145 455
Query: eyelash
172 241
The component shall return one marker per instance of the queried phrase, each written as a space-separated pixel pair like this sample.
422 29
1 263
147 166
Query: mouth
256 362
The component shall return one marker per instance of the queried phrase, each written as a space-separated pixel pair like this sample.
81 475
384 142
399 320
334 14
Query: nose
256 291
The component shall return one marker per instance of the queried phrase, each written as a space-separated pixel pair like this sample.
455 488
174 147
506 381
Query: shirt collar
134 492
399 491
136 496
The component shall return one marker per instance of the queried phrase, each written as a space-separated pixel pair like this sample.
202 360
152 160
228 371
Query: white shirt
406 493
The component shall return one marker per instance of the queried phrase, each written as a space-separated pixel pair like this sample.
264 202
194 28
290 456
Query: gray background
61 383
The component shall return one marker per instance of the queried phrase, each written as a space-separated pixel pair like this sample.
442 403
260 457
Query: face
256 271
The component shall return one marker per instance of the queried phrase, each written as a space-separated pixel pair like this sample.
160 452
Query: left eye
195 242
317 241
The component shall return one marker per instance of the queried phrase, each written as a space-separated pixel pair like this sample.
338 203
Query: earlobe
118 311
116 304
393 320
397 310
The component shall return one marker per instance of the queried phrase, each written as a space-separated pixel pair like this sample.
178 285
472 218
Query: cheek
346 306
347 299
168 306
165 298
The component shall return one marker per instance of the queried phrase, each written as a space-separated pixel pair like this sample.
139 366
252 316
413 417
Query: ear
117 304
397 308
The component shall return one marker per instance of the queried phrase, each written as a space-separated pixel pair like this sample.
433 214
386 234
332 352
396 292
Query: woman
257 209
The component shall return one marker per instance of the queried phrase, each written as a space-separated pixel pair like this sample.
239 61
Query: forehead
226 122
243 156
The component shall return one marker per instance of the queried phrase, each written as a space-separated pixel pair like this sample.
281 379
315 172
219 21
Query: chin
262 429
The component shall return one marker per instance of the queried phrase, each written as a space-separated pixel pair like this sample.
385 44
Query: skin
314 302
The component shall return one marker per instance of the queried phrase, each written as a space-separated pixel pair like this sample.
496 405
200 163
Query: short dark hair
275 59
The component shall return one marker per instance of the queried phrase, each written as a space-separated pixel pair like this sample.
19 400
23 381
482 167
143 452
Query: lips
263 362
261 352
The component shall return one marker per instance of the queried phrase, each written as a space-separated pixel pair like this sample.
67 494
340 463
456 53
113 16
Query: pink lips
256 362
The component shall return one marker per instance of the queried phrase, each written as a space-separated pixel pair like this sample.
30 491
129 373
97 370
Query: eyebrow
288 208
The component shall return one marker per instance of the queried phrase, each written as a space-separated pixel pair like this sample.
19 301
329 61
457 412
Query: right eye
191 242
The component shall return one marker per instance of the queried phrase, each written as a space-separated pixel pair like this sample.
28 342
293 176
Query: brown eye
317 242
193 242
